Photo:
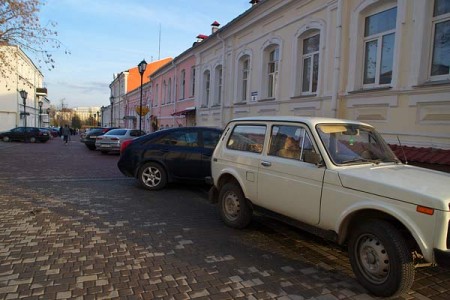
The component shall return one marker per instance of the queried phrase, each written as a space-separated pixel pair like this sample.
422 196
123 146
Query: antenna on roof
403 151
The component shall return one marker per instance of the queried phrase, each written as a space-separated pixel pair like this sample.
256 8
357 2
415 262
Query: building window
379 38
156 98
244 75
272 70
207 87
218 85
192 81
183 85
164 97
310 63
440 64
169 91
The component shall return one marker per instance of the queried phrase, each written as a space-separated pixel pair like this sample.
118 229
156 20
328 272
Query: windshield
354 144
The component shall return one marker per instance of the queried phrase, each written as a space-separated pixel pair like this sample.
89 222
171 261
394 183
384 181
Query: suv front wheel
233 207
381 259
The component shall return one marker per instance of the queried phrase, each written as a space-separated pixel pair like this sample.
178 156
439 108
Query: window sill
304 96
369 90
266 100
240 103
433 83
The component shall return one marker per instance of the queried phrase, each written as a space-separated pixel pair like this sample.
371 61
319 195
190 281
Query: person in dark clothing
66 133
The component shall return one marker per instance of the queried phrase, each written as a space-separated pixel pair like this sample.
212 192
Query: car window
17 130
117 132
293 142
210 138
247 138
136 133
180 138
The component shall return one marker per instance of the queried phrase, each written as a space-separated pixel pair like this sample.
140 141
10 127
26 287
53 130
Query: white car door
287 183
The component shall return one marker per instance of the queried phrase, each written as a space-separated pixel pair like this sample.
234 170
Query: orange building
123 83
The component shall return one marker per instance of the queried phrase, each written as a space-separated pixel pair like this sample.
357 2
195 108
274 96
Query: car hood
402 182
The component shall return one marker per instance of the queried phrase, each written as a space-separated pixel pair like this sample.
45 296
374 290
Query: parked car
30 134
175 154
340 179
112 140
89 137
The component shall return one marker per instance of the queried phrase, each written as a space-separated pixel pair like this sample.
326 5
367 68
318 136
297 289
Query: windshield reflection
354 144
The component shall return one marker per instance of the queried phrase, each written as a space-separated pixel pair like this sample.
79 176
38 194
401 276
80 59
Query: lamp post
48 116
98 118
111 99
142 66
24 96
40 112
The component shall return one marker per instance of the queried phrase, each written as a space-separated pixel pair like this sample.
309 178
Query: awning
129 118
184 112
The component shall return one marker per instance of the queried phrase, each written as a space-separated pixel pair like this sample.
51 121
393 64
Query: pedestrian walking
66 133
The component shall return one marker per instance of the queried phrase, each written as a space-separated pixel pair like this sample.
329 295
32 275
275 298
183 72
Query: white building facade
381 62
22 75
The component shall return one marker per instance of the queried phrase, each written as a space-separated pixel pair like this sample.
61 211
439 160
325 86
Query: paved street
71 226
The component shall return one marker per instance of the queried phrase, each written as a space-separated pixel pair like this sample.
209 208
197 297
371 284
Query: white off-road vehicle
340 177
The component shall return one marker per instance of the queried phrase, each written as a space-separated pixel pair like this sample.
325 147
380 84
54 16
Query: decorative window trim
356 51
274 42
238 78
313 27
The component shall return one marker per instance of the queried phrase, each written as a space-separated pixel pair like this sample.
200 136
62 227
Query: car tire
152 176
6 139
32 139
381 259
234 209
92 148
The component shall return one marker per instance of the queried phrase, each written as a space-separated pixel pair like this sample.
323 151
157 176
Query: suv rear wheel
381 259
233 207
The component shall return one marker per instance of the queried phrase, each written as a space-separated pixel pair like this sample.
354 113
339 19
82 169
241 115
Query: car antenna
403 151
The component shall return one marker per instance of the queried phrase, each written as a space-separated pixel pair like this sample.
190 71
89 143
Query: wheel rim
372 258
6 139
32 139
151 177
231 206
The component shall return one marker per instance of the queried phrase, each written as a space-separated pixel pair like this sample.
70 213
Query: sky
105 37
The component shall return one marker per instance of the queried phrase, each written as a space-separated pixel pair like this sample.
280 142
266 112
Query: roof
307 120
422 154
134 78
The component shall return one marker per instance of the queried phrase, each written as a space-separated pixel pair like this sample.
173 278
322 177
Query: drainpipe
337 60
223 79
174 87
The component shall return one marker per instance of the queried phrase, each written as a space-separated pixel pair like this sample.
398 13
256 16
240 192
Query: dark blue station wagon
170 155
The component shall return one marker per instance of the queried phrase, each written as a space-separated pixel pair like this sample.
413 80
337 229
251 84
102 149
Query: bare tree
20 26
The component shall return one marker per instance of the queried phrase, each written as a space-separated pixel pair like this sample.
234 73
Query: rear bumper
442 258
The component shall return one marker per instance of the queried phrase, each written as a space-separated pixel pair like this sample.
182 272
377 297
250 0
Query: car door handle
266 163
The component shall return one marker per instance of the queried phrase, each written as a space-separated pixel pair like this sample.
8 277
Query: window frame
302 57
272 70
434 21
379 38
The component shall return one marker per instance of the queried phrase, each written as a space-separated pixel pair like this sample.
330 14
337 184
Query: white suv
339 177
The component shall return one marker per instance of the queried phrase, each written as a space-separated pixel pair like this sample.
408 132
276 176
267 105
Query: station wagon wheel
6 139
233 207
32 139
152 176
381 259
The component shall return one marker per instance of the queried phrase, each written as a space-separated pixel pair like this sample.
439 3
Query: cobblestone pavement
71 226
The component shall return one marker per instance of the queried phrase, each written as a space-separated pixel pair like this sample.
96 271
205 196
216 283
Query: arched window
271 69
308 60
440 63
183 84
218 79
206 87
243 78
169 91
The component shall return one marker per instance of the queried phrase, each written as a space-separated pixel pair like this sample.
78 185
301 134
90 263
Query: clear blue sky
110 36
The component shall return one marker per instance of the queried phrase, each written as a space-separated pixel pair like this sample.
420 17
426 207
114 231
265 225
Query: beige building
21 74
381 62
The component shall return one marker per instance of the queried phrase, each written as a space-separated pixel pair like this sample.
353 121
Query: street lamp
142 66
40 112
48 116
111 99
24 96
98 118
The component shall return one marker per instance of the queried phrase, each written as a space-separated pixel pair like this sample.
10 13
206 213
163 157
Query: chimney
201 37
254 2
214 27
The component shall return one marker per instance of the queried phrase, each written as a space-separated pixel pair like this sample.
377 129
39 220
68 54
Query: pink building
172 93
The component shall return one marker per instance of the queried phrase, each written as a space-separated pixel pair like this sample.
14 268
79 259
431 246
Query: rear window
248 138
117 132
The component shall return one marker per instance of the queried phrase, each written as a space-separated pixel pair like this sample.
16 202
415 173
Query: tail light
98 137
124 145
114 139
